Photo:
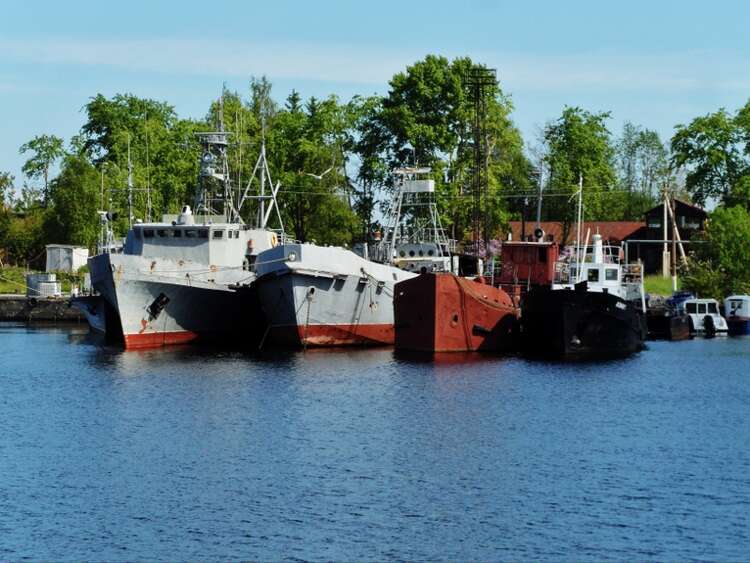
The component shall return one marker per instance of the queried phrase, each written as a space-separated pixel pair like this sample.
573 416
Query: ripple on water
364 454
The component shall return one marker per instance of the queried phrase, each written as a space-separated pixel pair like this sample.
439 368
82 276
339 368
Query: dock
19 308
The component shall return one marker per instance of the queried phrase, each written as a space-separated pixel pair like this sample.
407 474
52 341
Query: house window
611 274
177 233
654 222
203 233
593 275
220 234
542 255
190 233
161 232
691 308
148 233
701 308
712 309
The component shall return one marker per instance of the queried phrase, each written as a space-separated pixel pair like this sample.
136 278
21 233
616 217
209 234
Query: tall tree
427 119
45 151
711 149
642 166
579 145
720 267
163 151
73 216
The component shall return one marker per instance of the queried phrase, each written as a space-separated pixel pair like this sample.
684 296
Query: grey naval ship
185 279
329 296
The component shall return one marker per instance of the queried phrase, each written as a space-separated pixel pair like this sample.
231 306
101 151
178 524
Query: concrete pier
19 308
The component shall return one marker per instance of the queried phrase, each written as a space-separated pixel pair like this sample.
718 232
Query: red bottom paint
333 335
447 313
157 339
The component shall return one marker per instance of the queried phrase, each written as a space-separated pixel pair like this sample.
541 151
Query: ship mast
215 168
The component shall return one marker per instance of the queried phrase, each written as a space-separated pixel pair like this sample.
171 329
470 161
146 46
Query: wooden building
645 244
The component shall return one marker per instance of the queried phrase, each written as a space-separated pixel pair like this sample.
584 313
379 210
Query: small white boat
737 313
704 316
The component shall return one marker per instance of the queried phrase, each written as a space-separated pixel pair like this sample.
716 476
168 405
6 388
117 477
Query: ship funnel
598 257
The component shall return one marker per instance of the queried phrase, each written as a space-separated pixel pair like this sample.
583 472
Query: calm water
362 455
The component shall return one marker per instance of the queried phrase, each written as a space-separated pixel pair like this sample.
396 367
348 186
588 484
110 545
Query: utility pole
480 80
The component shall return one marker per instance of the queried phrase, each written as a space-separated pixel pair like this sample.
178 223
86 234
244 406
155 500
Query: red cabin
528 264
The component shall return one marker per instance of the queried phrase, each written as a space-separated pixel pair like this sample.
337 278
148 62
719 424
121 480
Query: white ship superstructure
175 281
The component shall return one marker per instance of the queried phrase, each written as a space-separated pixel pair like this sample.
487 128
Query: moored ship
326 296
737 313
595 309
444 312
176 281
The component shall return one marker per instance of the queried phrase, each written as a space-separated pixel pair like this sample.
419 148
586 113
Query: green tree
163 151
643 168
46 150
75 194
714 149
720 267
307 149
427 119
579 145
6 194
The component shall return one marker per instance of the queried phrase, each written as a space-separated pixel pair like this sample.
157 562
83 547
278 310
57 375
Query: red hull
157 339
446 313
333 335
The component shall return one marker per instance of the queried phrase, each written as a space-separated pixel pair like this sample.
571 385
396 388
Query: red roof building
611 231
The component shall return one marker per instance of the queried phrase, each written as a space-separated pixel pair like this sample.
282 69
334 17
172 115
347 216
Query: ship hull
312 310
447 313
580 325
92 307
668 326
738 325
151 310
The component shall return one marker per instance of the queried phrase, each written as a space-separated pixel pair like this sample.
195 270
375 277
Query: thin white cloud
667 73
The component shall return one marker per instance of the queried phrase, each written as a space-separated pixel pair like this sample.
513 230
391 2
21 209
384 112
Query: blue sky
656 63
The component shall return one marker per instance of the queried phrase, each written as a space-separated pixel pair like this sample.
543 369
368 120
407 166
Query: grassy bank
13 280
657 285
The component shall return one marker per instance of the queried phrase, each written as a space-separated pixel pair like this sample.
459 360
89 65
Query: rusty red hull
446 313
333 335
158 339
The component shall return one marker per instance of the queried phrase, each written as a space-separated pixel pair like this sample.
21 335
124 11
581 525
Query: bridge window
691 308
203 233
219 234
593 275
701 308
177 233
611 274
190 233
161 232
148 233
712 309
